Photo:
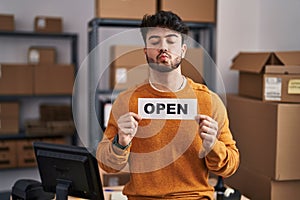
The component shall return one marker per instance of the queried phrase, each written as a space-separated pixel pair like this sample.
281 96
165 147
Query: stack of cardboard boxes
188 10
264 120
40 76
55 119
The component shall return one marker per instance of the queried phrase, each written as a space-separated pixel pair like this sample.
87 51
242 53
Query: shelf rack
73 38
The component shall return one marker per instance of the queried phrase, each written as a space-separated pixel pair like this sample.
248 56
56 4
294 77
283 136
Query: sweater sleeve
224 158
111 158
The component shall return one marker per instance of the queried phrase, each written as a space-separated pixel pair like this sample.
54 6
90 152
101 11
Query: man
168 158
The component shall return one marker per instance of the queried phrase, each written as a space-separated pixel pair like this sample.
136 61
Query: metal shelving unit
73 38
198 30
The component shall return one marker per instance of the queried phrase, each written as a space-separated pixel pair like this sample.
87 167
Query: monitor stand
62 189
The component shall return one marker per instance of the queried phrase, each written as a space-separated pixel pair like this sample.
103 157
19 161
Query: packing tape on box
41 23
34 56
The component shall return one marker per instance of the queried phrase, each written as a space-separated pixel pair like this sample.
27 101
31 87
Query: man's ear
145 50
183 50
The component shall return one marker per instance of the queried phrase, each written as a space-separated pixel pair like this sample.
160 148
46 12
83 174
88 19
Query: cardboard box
47 24
16 79
9 110
36 128
129 67
8 154
9 118
42 55
7 22
192 10
25 153
58 140
9 126
124 9
44 128
193 65
270 76
53 79
259 187
267 136
55 112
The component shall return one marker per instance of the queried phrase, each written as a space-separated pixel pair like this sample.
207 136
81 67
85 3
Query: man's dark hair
164 19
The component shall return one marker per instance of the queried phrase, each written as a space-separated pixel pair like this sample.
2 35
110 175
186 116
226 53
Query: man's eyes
170 41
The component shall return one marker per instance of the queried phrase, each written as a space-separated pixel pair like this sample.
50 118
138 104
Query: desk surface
109 190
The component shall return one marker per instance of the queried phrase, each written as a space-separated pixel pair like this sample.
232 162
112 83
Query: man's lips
163 56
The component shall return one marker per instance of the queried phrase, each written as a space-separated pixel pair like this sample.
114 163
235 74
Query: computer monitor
68 171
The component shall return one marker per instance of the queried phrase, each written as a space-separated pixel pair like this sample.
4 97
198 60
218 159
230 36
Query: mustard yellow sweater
163 157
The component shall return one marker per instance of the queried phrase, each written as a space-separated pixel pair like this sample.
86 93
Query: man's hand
127 124
208 131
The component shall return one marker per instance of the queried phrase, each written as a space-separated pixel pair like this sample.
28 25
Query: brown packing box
8 154
9 126
53 79
59 140
129 66
9 117
270 76
25 153
55 112
44 128
259 187
42 55
61 127
192 10
16 79
7 22
124 9
36 127
47 24
9 110
267 135
192 65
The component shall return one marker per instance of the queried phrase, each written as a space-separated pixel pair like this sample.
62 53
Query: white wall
75 14
254 25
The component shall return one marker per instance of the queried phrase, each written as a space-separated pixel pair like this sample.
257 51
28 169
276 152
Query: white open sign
167 108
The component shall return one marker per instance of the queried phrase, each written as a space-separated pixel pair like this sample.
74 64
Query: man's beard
161 67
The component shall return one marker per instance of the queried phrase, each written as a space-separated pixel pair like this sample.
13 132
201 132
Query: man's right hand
128 125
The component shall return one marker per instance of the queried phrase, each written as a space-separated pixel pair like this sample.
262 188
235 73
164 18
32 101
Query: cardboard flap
282 69
289 57
250 62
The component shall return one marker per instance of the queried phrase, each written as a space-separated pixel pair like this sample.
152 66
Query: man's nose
163 47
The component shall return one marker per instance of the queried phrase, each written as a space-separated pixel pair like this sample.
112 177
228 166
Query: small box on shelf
9 73
48 24
192 10
55 79
8 156
7 22
124 9
41 55
9 118
25 153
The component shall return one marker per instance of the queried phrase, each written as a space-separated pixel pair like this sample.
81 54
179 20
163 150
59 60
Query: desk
108 191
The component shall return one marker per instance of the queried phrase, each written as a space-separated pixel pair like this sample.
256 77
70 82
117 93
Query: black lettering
171 108
147 106
160 107
182 108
